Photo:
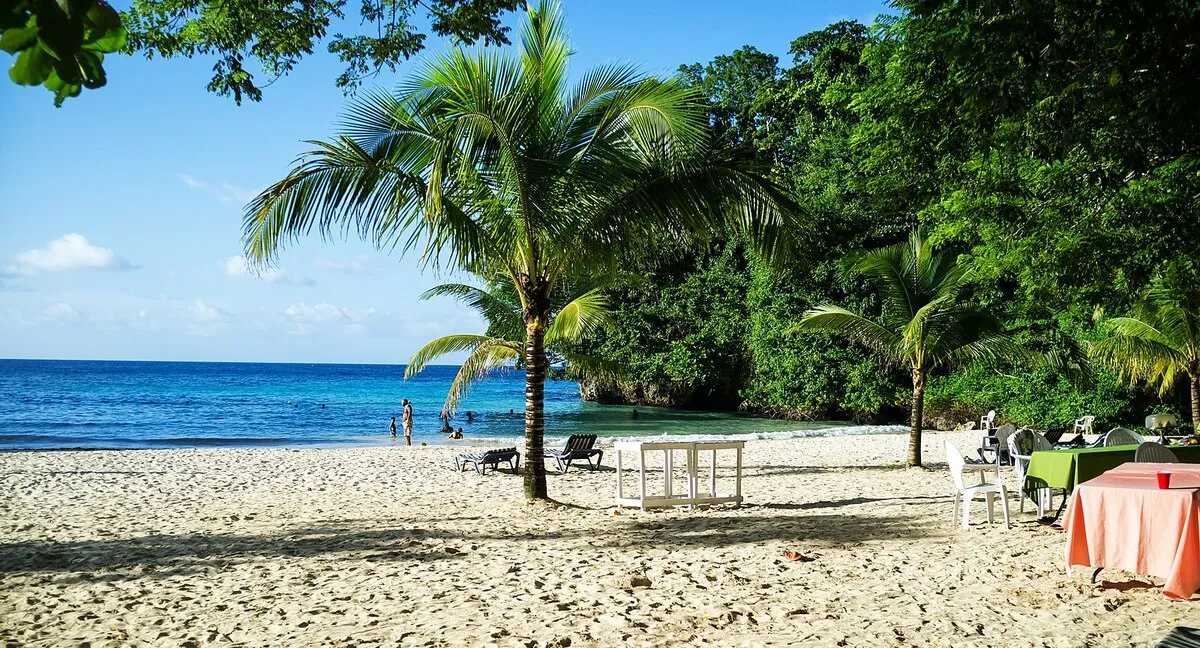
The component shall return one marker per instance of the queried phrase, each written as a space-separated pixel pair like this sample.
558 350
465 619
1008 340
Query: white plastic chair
1083 425
1120 436
1021 447
966 494
997 444
988 421
1154 452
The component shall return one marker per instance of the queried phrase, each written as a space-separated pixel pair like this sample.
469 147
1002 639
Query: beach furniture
1180 637
1124 520
578 447
1069 467
1120 436
967 493
1154 452
696 490
988 421
490 458
996 443
1021 447
1083 424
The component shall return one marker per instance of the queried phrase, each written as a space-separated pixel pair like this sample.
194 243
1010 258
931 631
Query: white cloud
359 265
236 266
70 252
202 312
224 192
306 319
60 312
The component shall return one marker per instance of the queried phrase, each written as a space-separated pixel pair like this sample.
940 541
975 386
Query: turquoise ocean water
101 404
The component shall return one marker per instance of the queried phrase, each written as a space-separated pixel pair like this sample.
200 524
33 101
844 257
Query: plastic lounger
1181 637
579 446
490 458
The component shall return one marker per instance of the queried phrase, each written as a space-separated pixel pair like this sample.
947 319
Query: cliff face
656 395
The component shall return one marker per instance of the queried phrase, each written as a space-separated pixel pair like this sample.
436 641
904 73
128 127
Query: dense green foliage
62 43
59 43
926 322
1054 146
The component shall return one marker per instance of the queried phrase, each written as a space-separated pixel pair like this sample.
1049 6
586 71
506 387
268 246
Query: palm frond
580 366
579 318
487 357
444 345
502 313
839 321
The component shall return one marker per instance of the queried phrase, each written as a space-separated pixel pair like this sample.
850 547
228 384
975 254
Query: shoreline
833 430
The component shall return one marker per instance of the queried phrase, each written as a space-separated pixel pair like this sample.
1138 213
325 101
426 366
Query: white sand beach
390 546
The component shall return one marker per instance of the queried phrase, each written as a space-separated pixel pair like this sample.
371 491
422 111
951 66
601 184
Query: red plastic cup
1164 479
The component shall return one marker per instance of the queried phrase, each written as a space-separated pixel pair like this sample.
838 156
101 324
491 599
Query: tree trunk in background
1194 379
918 411
535 420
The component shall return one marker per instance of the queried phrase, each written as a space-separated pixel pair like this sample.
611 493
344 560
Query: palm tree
501 347
926 321
493 164
1159 341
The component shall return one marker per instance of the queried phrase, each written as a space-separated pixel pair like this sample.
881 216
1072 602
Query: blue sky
119 236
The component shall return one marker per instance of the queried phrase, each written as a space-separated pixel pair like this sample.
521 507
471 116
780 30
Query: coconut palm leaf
579 318
486 358
1158 342
835 319
925 321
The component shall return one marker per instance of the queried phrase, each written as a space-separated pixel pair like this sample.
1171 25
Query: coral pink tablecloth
1122 520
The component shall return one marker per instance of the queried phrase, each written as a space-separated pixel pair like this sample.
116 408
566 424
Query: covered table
1123 520
1066 468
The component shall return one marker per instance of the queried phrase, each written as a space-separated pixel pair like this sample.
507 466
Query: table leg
668 470
620 494
738 480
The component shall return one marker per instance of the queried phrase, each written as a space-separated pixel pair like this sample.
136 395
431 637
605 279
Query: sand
390 546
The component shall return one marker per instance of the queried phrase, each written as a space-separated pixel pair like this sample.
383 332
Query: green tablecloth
1066 468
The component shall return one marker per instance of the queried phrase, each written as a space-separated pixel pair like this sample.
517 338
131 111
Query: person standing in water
407 419
392 427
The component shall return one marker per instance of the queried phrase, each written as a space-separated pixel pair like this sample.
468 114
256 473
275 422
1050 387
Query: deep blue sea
108 404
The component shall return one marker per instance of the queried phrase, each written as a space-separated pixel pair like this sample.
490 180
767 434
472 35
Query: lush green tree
679 332
736 86
925 322
59 43
491 163
1159 341
1059 141
502 345
62 42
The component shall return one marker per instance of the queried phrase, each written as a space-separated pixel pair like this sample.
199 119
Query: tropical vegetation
1054 148
502 345
61 43
492 163
1160 340
925 322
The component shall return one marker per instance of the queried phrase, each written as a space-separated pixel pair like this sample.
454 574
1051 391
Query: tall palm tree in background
492 163
502 347
1159 341
926 321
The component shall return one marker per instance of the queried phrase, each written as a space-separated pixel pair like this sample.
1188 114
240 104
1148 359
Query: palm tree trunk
535 421
1194 379
918 411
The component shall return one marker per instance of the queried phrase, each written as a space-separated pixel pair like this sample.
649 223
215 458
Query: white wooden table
692 450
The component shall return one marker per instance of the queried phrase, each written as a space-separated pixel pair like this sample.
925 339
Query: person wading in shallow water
407 419
392 427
